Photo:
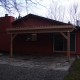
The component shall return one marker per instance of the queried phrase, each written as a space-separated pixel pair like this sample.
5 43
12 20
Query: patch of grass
74 73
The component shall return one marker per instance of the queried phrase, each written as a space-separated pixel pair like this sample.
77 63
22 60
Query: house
5 22
36 35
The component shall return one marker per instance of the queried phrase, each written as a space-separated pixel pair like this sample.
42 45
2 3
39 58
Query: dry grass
74 73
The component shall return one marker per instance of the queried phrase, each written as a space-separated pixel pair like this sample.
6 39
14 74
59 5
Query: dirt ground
34 68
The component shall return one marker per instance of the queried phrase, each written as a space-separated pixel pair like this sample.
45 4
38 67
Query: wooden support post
68 45
53 43
11 46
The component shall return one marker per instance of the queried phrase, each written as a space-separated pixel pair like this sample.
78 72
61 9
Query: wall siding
43 45
5 22
78 42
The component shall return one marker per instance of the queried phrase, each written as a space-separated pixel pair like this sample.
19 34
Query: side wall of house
42 46
5 22
44 43
78 42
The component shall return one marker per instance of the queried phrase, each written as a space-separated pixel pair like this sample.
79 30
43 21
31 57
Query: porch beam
14 35
41 29
65 36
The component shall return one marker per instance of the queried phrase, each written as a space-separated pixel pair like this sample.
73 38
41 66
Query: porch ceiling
41 29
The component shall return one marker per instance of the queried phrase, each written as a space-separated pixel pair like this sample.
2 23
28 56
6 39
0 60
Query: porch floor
47 62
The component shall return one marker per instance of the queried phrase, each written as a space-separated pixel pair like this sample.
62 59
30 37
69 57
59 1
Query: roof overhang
41 29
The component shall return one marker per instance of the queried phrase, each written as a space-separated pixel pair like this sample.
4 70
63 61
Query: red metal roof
38 17
55 27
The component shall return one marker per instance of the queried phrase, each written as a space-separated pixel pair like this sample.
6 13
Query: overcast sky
63 3
43 11
40 10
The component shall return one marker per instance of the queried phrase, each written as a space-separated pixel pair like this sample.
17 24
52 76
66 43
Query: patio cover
42 29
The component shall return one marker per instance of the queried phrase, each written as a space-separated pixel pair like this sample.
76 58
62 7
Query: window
31 37
60 43
34 37
72 41
28 37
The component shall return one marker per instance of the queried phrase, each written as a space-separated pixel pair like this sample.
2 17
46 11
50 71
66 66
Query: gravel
9 72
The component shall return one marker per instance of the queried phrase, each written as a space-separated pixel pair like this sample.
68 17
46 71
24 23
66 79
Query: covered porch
63 30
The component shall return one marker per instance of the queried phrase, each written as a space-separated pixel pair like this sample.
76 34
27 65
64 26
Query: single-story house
36 35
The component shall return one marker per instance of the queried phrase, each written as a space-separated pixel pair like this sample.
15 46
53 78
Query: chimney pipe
6 15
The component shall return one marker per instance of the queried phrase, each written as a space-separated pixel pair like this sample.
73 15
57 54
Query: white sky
42 11
39 10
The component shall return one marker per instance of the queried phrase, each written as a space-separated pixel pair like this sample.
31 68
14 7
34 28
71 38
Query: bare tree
73 12
17 6
52 12
56 11
11 5
30 4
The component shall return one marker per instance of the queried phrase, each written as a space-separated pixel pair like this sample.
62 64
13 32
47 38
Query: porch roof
42 29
